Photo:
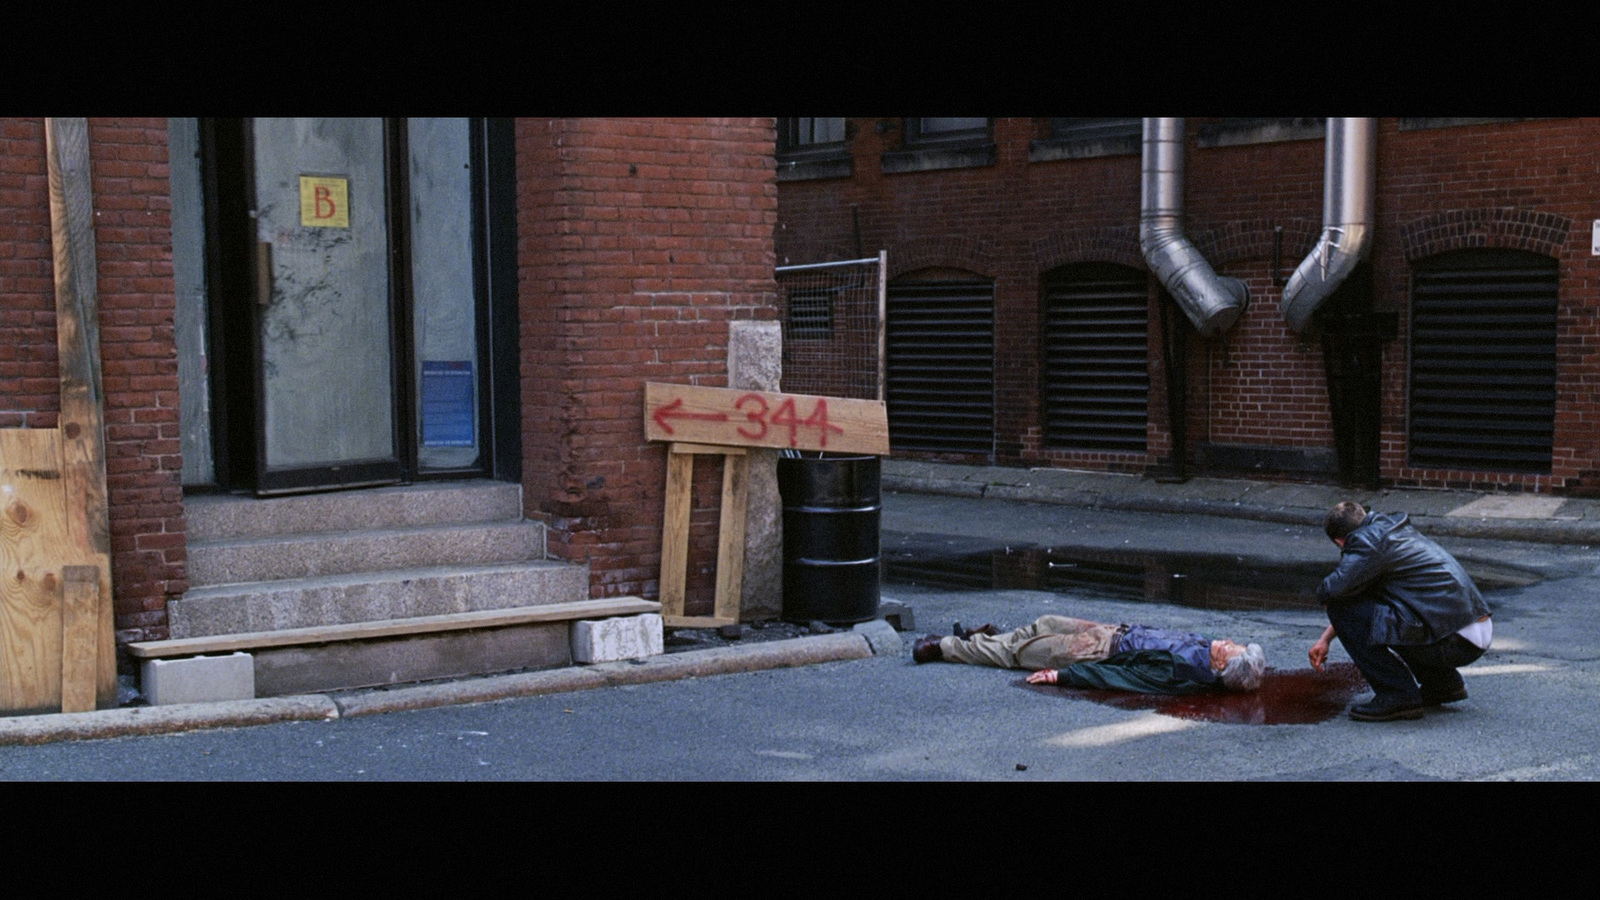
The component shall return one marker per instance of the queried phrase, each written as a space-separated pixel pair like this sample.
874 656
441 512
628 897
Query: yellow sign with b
324 202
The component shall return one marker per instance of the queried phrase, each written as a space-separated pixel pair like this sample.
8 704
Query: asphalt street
1531 715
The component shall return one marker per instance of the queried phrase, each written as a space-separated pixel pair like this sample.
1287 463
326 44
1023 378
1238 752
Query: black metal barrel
831 511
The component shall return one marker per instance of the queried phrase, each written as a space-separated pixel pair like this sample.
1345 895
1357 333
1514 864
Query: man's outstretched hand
1043 676
1318 654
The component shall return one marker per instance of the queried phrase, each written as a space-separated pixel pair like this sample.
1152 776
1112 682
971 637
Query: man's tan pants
1051 642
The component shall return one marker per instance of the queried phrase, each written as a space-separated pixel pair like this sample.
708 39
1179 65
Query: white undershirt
1479 633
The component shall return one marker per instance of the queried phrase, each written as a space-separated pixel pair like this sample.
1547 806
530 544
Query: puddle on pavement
1182 579
1295 697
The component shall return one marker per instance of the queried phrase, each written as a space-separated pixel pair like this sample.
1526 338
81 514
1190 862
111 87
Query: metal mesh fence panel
832 316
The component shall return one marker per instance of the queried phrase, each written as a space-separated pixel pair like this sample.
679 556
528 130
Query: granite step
316 554
374 596
224 517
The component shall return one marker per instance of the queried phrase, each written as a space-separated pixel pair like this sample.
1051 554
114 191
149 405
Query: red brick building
1030 325
301 305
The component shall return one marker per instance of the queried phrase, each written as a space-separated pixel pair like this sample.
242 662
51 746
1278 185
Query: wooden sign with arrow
737 418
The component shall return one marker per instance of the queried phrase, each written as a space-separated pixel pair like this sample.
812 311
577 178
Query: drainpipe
1348 196
1211 301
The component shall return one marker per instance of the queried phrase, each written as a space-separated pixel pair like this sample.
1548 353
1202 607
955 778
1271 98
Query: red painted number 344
756 411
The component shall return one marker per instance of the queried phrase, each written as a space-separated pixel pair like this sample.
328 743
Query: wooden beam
388 628
730 536
675 533
83 449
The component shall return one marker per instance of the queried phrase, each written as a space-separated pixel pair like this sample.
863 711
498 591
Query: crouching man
1405 610
1081 653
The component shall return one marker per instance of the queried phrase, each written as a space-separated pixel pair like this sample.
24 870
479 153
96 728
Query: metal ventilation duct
1211 301
1348 196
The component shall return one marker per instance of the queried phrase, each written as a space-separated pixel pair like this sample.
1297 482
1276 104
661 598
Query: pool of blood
1296 697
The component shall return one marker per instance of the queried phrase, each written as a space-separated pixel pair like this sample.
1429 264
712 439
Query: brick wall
1528 185
133 247
639 241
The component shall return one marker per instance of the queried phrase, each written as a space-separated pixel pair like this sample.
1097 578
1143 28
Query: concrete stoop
259 566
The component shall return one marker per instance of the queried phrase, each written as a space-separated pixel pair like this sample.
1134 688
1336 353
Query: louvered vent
1096 375
1483 361
940 338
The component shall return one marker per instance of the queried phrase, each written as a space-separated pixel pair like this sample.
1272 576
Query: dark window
1096 380
1095 129
804 136
940 338
929 132
1483 361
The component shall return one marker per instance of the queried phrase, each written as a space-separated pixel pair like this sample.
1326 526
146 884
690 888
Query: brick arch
1498 227
1110 243
952 251
1247 239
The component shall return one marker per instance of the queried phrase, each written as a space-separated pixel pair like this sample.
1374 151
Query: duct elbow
1338 251
1212 302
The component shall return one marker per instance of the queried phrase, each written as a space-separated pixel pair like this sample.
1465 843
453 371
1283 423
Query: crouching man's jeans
1397 671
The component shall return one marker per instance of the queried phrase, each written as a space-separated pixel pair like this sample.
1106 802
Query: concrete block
899 615
623 637
199 679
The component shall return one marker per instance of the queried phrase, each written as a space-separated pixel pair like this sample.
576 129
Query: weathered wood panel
728 417
33 535
83 450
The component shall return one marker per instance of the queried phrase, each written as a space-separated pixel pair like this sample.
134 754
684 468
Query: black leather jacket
1423 595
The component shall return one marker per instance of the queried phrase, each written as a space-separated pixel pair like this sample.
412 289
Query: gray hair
1243 672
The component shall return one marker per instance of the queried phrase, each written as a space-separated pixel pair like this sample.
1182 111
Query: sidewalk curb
1134 496
667 667
145 720
151 720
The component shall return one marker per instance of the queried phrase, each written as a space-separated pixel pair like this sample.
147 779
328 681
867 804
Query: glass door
324 301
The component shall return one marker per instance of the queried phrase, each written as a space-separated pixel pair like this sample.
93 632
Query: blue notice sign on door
447 392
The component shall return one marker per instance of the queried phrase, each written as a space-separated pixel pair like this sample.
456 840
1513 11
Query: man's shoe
1443 697
926 649
1386 709
965 633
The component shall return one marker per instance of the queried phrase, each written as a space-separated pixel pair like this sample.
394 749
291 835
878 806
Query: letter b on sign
324 202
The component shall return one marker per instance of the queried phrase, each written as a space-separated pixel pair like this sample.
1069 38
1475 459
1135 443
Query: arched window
1095 380
1483 360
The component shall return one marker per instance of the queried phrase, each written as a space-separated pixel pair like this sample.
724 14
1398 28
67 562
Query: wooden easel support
730 534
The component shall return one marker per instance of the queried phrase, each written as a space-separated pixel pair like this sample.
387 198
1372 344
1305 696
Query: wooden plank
675 534
353 631
83 451
730 536
697 621
80 622
706 449
33 528
705 415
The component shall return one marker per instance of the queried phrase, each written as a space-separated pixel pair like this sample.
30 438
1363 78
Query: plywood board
727 417
33 531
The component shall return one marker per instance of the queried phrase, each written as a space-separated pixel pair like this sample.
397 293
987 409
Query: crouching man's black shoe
1386 709
926 649
1439 698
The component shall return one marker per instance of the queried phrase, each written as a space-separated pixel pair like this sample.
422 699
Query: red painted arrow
671 411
